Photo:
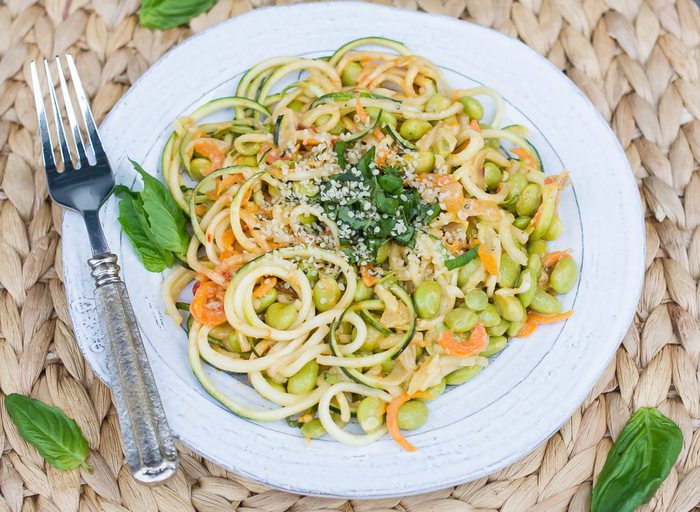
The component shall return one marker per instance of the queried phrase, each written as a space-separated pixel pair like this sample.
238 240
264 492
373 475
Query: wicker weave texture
638 62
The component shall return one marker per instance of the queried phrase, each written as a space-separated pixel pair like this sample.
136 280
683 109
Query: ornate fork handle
148 444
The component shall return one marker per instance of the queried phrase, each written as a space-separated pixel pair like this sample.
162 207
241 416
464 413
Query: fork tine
62 142
72 120
85 109
44 133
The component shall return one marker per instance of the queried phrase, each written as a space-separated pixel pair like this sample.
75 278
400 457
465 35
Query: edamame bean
515 327
496 344
232 343
498 330
490 316
437 103
276 385
426 298
307 219
200 166
414 129
260 304
386 117
509 307
296 105
304 380
534 263
362 292
544 303
370 413
521 222
462 375
509 271
461 320
312 429
436 390
563 276
525 297
248 160
382 253
371 340
538 247
467 271
350 74
517 183
412 415
472 107
492 175
554 230
530 199
476 299
280 315
305 188
422 161
326 293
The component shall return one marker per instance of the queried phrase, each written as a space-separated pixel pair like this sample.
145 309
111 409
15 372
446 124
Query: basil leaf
340 153
462 259
364 164
132 218
390 183
407 238
164 14
165 217
56 437
638 462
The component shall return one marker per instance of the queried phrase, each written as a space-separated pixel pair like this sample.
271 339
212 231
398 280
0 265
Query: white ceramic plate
527 392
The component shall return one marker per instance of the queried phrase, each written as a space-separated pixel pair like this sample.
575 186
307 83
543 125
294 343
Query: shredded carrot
549 319
360 110
476 343
208 304
200 209
227 181
211 149
535 319
488 258
475 125
525 156
552 258
377 133
527 329
392 417
456 247
264 287
368 278
452 196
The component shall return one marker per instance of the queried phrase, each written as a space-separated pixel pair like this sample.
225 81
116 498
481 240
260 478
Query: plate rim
628 316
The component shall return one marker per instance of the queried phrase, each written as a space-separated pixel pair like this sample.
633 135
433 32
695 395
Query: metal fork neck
94 229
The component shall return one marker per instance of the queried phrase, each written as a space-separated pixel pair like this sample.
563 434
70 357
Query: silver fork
83 187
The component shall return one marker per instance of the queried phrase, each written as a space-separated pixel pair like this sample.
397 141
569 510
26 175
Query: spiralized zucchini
362 237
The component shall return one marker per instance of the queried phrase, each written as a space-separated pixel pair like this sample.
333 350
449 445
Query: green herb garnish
153 222
163 14
56 437
638 463
372 205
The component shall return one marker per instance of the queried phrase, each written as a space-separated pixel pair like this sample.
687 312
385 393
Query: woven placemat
636 60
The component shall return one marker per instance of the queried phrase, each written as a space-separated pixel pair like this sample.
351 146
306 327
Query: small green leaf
638 463
164 14
56 437
132 218
390 183
462 259
340 153
166 219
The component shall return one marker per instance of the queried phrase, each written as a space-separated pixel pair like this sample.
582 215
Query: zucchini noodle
361 238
